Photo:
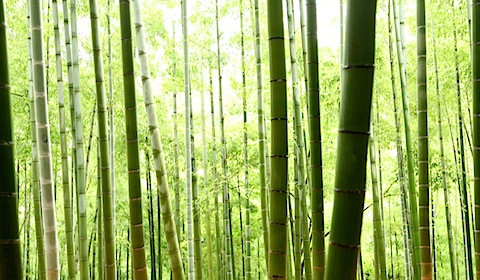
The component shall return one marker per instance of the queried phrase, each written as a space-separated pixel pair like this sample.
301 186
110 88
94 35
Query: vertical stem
354 127
399 32
279 147
10 246
299 146
245 152
64 149
134 190
215 181
157 150
41 266
451 245
206 188
423 159
316 168
261 131
463 180
44 146
475 8
100 241
107 203
151 225
80 160
188 146
377 220
228 236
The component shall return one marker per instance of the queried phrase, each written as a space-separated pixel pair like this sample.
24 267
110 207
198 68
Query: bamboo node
279 119
7 195
7 143
276 253
278 191
278 80
136 226
358 66
278 156
276 38
9 241
365 133
349 191
134 171
348 246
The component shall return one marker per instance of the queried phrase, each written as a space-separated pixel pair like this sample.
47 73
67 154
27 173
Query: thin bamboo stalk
43 146
157 150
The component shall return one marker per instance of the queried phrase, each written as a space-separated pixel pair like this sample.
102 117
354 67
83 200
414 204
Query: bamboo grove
247 139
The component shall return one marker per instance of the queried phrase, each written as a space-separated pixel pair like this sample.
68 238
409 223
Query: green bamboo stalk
41 266
159 234
139 266
10 246
206 187
43 146
451 245
455 144
248 255
463 179
279 147
119 261
127 264
215 181
157 150
63 143
89 146
197 235
107 209
68 47
100 242
151 224
379 235
306 220
261 130
93 243
111 143
27 228
227 223
176 175
290 239
406 223
176 170
229 261
434 251
399 32
423 160
80 160
303 27
299 145
242 235
341 36
475 9
406 229
188 147
355 106
314 125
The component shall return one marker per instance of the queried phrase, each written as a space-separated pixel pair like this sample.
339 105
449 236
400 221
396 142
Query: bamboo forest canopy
246 139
